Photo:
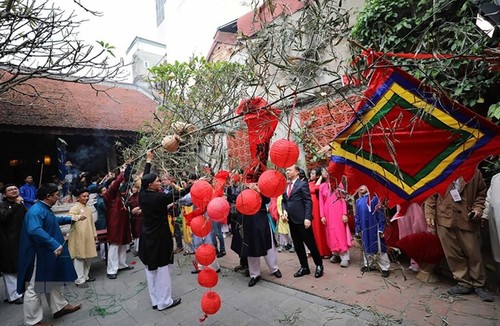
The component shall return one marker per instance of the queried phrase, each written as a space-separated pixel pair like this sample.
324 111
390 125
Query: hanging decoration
262 121
218 209
248 202
171 142
284 153
272 183
208 277
205 254
200 226
219 183
201 194
210 304
399 119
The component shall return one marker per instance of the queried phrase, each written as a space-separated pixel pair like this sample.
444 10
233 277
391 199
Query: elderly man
456 217
12 213
155 244
44 261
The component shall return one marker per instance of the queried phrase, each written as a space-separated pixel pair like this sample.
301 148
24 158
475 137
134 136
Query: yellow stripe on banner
418 103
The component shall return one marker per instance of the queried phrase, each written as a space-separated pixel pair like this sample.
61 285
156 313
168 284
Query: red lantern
284 153
205 254
248 202
210 304
272 183
200 226
218 209
208 277
201 193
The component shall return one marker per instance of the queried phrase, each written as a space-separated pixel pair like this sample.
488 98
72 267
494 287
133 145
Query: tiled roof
252 22
71 105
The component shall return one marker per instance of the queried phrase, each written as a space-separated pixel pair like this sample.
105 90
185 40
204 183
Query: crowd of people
145 213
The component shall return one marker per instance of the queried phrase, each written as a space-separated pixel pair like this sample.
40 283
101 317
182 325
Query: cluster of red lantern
207 277
217 209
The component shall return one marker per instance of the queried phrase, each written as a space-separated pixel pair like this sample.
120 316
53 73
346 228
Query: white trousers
10 281
382 260
160 286
271 260
136 244
82 268
32 307
117 256
343 256
102 251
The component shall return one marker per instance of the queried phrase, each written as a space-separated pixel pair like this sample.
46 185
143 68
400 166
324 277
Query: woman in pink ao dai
333 213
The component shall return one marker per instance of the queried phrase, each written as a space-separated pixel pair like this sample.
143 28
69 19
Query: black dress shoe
301 272
253 281
175 303
155 307
365 269
319 271
90 279
195 271
111 276
278 274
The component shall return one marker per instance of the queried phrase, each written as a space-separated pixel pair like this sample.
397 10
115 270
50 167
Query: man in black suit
297 209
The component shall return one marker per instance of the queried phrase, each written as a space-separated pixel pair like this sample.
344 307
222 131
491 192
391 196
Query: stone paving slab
341 297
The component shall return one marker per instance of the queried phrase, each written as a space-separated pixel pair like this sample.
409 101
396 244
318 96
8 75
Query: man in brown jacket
457 217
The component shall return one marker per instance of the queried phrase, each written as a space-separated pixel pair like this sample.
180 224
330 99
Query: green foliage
203 94
494 111
107 47
431 26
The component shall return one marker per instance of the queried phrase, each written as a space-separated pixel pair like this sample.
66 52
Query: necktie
289 189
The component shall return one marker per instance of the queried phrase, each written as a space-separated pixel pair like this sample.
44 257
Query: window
146 64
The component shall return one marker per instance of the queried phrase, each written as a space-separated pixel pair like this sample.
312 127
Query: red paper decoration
272 183
201 193
208 277
284 153
248 202
200 226
205 254
210 304
218 209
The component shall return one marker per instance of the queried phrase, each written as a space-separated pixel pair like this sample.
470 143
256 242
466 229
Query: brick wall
238 150
322 123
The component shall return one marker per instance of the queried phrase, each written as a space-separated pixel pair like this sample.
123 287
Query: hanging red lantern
205 254
272 183
284 153
208 277
218 209
200 226
210 304
201 193
248 202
